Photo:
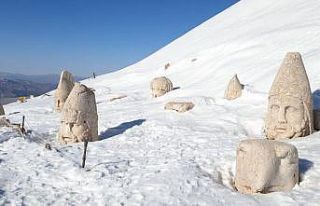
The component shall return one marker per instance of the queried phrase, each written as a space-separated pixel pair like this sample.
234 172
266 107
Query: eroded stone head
290 109
64 88
160 86
79 116
265 166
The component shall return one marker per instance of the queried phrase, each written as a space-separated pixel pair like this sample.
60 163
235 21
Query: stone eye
275 107
291 109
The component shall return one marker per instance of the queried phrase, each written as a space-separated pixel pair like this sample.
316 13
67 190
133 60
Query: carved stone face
73 132
290 101
286 117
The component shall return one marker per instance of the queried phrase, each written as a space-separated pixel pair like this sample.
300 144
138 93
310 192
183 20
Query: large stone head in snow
234 89
290 112
265 166
160 86
79 116
1 110
64 88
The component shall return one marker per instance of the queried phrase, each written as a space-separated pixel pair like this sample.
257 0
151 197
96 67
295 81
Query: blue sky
43 36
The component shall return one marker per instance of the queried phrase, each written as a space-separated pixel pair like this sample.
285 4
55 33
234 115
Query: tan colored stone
234 89
179 106
64 88
79 116
290 106
161 86
265 166
1 110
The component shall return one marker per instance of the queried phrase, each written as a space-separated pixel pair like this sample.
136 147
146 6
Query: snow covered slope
149 156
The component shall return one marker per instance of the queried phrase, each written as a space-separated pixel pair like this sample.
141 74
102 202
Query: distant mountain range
15 85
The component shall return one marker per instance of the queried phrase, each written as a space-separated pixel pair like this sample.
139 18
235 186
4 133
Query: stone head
289 112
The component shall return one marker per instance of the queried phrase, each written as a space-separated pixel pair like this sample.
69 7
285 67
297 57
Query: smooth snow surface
150 156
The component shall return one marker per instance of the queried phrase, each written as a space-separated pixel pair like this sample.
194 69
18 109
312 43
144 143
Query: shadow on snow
120 129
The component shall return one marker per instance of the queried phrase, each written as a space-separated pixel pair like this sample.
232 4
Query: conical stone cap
64 88
234 89
292 79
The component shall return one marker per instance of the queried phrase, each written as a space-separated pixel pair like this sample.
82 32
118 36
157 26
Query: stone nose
282 115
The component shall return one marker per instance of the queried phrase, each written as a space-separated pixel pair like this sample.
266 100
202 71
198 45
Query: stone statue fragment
64 88
290 106
79 116
265 166
161 86
234 89
179 106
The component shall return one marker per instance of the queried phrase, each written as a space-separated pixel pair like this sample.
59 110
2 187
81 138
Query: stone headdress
234 89
292 80
64 88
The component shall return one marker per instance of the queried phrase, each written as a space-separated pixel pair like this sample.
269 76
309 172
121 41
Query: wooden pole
22 125
84 156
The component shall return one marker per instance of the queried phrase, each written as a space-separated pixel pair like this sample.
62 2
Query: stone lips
234 89
160 86
64 88
290 106
264 166
79 116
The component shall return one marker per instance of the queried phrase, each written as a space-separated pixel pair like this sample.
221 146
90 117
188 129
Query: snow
150 156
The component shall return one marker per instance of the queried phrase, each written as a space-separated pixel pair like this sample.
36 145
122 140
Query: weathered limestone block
179 106
160 86
290 106
265 166
1 110
79 116
234 89
64 88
